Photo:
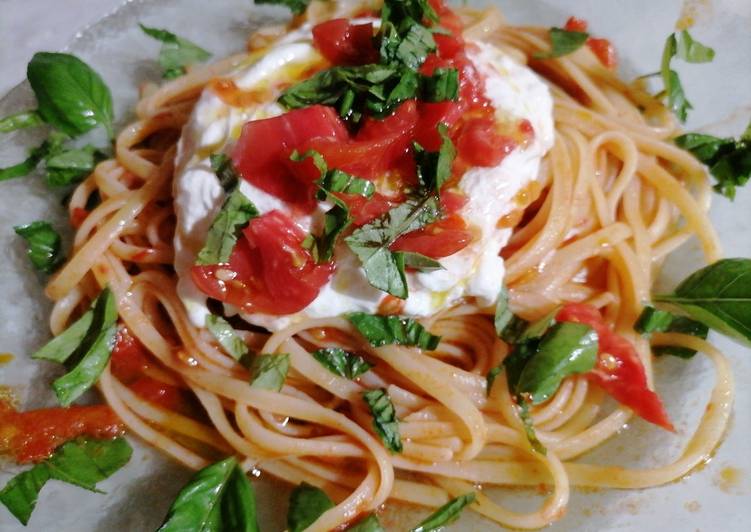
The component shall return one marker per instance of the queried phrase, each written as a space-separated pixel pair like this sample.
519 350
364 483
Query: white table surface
28 26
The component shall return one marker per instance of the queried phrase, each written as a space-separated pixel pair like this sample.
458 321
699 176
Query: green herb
44 245
226 336
516 330
503 314
69 166
434 168
341 362
409 48
682 325
368 524
563 42
385 268
446 514
219 497
683 46
306 504
387 330
384 418
529 428
176 53
297 7
83 463
268 372
27 165
719 296
442 86
728 160
85 347
236 212
70 94
20 120
490 378
653 320
419 262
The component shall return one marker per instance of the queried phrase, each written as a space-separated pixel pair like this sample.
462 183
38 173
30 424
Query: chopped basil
176 53
44 245
490 378
236 212
683 46
407 48
442 86
84 347
385 268
70 95
69 166
306 504
384 418
728 160
20 120
341 362
503 314
446 514
420 262
434 168
719 296
368 524
563 42
226 336
653 320
82 463
27 165
268 372
529 428
387 330
296 6
218 497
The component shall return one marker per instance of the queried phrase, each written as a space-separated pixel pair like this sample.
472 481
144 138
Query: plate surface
715 497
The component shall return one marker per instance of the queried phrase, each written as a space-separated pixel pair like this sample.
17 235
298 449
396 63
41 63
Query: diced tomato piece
437 240
604 51
269 270
448 46
526 129
32 436
364 210
262 152
453 200
619 371
343 43
480 144
129 357
576 24
448 19
77 217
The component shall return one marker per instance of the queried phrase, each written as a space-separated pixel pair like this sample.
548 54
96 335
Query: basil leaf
26 166
728 160
339 181
296 6
503 315
44 245
20 120
529 429
434 168
690 50
82 463
566 349
335 221
230 341
413 47
490 378
236 212
384 418
682 325
70 166
218 497
268 372
70 94
341 362
176 53
368 524
685 47
446 514
442 86
719 296
306 504
420 262
652 320
62 346
563 42
384 268
516 360
388 330
91 356
516 330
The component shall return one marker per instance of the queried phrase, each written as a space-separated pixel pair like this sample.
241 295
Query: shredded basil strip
176 53
491 377
20 120
385 422
69 166
268 372
341 362
503 314
226 336
82 463
26 166
297 7
419 262
683 46
529 429
434 168
563 42
306 504
218 497
652 320
44 245
367 524
386 330
446 514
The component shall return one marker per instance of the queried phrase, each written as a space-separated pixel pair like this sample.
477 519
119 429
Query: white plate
139 495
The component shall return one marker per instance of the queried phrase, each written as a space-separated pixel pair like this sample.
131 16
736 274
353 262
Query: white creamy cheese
476 271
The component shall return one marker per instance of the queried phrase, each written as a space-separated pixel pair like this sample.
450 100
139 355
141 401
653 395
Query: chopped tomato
619 371
480 144
453 200
604 51
269 270
129 357
343 43
447 19
576 24
437 240
364 210
77 217
32 436
262 152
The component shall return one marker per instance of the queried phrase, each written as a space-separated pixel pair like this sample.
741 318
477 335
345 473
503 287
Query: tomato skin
604 51
480 144
365 210
621 374
261 155
576 24
129 357
269 270
343 43
437 240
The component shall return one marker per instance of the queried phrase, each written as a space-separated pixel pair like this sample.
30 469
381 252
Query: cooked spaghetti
615 198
